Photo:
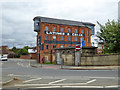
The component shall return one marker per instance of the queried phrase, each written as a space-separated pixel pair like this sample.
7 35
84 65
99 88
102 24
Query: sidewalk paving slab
52 66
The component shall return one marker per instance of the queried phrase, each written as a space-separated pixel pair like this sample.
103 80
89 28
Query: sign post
77 54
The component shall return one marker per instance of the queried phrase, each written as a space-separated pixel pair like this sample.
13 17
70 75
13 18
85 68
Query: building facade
58 33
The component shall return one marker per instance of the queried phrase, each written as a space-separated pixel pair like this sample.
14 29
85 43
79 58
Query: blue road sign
83 43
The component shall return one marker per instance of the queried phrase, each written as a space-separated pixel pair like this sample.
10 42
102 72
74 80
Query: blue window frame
54 29
54 37
62 30
62 37
69 38
75 38
69 30
81 39
46 29
69 46
46 37
46 47
82 31
76 31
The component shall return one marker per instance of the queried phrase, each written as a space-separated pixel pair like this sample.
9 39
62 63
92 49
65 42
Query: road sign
83 43
77 48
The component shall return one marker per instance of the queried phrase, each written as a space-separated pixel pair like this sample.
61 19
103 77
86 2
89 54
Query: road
26 76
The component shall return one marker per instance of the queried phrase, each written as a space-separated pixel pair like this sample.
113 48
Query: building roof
62 21
4 49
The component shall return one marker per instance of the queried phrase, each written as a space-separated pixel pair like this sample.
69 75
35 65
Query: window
54 29
82 39
54 37
75 38
61 46
54 46
69 38
69 30
76 31
37 23
46 47
82 31
88 33
46 29
62 29
62 37
69 46
46 37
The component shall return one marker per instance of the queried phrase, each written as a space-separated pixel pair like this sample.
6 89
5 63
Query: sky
16 16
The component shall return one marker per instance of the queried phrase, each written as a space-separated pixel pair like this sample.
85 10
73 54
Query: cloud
17 16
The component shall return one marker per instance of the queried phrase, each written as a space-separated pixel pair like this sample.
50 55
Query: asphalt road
26 76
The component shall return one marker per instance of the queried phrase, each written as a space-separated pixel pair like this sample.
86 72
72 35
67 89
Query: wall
68 57
34 56
25 57
71 57
101 60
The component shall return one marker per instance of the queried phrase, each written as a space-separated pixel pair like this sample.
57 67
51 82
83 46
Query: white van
3 58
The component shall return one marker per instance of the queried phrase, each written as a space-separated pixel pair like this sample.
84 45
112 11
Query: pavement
52 66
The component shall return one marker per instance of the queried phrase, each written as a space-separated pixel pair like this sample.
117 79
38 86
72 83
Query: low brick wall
25 57
33 55
100 60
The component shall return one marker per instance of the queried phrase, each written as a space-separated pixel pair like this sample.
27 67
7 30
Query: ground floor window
54 46
46 47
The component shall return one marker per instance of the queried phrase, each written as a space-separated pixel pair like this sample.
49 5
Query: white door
77 58
58 58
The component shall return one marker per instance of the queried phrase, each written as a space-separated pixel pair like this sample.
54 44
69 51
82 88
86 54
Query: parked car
3 58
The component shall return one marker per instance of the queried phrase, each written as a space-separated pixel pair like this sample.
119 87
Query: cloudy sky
17 16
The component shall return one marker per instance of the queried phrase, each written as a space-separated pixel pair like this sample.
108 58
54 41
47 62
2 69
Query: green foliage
110 36
19 52
26 47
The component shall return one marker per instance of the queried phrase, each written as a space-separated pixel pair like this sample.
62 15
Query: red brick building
57 33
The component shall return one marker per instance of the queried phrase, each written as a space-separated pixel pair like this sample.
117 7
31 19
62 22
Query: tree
27 47
109 34
19 52
23 52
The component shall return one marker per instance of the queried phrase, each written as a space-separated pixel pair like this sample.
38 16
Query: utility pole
39 42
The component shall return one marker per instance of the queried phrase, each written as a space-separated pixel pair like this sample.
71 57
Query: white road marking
18 75
20 64
47 84
31 80
48 87
57 81
83 86
90 81
112 86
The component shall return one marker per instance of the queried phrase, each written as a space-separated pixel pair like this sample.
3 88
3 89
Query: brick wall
34 56
25 57
99 60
